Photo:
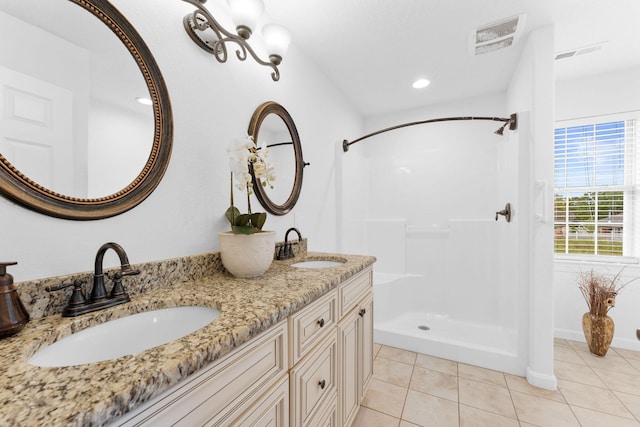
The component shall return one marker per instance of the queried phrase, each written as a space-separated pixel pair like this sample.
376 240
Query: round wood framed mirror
272 125
124 183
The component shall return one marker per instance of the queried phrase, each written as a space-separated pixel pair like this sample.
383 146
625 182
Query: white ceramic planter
247 255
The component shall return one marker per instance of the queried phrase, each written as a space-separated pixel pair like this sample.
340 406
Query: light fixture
421 83
144 101
207 33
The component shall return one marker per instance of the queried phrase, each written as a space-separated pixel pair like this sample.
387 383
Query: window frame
631 243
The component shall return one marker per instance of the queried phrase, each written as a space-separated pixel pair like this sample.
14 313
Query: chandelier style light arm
512 122
215 41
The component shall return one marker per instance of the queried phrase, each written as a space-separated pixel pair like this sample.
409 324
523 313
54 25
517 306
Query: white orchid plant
245 158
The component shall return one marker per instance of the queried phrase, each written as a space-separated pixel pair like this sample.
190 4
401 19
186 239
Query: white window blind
596 176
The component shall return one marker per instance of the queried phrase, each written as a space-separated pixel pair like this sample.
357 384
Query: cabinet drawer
328 417
271 410
211 395
313 383
310 325
352 291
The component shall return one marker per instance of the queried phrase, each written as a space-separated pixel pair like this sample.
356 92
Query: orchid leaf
242 229
231 214
258 219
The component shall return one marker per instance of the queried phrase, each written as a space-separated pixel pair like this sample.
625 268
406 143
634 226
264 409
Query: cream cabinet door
348 354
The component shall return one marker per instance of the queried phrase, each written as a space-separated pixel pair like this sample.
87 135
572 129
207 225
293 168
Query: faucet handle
128 272
77 296
118 289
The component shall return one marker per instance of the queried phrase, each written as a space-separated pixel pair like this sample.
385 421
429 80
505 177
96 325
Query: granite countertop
98 393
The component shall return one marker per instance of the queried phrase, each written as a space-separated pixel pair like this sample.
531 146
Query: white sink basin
124 336
317 264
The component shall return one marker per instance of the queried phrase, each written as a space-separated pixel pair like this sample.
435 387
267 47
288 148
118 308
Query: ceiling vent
496 35
580 51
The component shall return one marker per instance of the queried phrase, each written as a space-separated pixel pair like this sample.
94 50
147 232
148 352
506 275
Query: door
36 132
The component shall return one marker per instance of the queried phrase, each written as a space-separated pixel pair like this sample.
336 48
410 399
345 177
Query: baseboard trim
537 379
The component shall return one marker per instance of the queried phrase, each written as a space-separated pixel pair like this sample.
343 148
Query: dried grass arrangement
599 291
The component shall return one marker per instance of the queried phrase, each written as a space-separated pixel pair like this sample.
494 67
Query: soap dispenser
13 315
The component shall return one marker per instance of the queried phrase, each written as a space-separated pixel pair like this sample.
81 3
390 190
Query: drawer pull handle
321 322
322 384
362 312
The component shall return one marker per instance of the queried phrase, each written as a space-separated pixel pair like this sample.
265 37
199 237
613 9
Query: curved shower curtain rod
511 121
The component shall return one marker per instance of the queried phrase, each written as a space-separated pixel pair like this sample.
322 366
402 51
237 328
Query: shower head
512 122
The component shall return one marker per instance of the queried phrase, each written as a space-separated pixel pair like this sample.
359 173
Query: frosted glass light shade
245 13
277 39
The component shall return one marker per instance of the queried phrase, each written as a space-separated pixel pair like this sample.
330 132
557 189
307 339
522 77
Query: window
595 188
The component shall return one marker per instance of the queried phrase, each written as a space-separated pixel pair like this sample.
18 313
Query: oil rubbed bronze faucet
99 299
286 251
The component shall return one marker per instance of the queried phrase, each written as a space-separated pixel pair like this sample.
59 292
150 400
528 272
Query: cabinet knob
321 322
322 384
362 312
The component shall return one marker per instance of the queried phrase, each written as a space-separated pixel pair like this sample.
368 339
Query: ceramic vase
247 255
598 330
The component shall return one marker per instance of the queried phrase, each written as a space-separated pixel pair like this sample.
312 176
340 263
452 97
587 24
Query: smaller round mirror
272 126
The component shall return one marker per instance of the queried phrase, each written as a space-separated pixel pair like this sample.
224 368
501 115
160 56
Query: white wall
117 154
603 94
212 104
531 94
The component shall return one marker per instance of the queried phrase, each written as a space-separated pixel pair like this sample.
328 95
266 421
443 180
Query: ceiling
372 50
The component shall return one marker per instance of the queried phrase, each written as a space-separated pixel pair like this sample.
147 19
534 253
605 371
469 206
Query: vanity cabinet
310 370
355 349
249 384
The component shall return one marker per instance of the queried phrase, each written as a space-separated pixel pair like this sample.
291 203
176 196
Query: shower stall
446 281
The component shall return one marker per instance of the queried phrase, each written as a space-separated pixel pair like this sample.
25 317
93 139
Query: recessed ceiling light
144 101
421 83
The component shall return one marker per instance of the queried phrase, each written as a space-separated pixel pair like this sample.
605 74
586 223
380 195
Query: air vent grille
496 35
580 51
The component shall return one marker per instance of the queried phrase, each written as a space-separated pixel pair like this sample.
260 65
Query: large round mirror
76 139
272 126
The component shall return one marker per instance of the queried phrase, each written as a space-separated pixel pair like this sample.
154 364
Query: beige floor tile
611 362
542 412
385 397
488 397
473 417
397 354
560 341
589 418
567 354
481 374
437 364
427 410
578 345
631 401
596 398
520 384
577 373
627 354
635 363
523 424
376 349
369 418
404 423
625 382
392 372
435 383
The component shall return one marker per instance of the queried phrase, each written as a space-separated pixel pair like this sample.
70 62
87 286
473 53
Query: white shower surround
447 279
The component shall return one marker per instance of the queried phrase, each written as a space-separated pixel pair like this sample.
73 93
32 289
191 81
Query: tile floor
410 389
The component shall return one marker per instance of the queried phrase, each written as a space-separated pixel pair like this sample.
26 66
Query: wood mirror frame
261 113
19 188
